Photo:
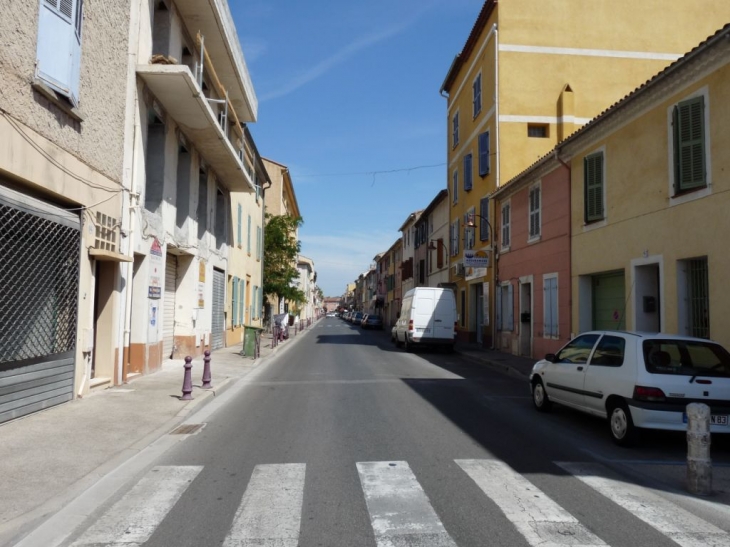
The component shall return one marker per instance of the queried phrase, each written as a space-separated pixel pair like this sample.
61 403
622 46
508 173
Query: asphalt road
344 440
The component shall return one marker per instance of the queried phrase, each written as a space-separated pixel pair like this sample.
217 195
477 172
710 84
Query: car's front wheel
623 430
540 397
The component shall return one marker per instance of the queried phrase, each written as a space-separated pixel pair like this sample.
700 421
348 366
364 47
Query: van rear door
444 315
423 314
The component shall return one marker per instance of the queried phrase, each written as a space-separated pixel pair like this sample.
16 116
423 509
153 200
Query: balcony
212 19
175 87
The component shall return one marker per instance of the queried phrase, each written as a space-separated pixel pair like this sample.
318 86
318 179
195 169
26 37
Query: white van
427 318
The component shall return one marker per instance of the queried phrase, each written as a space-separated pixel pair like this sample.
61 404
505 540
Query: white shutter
59 46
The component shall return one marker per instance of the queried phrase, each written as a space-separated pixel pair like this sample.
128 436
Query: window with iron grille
689 145
593 187
698 298
534 198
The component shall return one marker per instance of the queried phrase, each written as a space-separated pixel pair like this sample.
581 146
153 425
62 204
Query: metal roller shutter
168 313
218 320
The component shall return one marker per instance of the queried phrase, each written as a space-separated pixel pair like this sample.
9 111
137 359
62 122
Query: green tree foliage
281 249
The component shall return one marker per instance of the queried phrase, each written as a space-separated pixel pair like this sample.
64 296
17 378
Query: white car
636 380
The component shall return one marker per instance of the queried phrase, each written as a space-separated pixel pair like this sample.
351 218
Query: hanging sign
476 259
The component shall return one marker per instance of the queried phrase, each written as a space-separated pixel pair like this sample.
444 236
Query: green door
609 301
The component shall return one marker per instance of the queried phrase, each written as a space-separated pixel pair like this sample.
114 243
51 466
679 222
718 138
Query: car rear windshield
686 358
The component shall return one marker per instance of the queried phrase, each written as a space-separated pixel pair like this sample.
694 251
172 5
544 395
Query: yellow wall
642 223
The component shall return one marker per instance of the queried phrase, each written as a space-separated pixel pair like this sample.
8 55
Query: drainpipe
570 212
129 182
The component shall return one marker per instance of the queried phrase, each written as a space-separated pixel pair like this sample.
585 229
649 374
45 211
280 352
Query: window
467 173
484 221
455 130
454 237
537 130
477 95
550 306
239 231
593 187
234 303
455 187
698 298
248 236
469 232
505 225
689 145
578 350
484 157
259 249
609 352
534 199
59 46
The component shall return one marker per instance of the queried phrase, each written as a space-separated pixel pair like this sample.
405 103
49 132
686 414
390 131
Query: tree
281 249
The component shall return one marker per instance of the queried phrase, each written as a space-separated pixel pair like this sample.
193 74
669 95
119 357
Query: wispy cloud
342 55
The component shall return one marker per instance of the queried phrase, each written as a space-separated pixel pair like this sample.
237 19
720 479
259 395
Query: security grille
39 275
699 300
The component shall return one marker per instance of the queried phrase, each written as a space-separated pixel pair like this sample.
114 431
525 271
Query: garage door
39 276
609 301
218 320
168 311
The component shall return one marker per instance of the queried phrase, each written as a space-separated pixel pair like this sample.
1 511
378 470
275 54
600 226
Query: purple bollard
206 370
187 388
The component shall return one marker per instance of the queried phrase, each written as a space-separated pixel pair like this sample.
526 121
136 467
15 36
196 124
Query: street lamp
470 223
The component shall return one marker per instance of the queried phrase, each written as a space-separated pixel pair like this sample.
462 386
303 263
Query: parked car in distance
372 321
427 318
636 380
356 318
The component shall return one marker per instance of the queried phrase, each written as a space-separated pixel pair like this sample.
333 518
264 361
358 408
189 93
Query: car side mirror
550 357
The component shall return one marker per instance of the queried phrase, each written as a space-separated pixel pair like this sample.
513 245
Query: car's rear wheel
540 397
623 430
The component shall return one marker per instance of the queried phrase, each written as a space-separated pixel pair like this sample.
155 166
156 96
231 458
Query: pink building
532 297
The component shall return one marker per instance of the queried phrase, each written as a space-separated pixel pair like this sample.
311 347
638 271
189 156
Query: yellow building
530 73
650 194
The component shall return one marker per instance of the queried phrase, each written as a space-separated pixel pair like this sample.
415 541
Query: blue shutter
484 164
554 306
242 300
510 308
59 45
234 302
248 240
467 172
240 225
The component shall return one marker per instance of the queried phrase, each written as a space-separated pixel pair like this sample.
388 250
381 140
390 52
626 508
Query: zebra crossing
270 511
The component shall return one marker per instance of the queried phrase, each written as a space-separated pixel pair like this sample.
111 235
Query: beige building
280 200
192 93
650 187
530 73
64 198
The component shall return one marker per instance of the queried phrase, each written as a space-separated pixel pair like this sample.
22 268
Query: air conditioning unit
457 270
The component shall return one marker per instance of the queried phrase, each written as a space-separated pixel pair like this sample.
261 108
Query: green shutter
234 303
593 179
689 136
242 300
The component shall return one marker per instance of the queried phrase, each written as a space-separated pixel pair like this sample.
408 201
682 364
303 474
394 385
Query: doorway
526 318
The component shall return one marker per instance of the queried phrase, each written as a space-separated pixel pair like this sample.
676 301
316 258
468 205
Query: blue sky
347 92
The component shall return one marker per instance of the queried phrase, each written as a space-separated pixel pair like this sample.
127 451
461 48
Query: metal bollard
187 388
206 370
699 464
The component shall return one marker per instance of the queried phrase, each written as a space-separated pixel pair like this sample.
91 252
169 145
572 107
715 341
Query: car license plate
715 419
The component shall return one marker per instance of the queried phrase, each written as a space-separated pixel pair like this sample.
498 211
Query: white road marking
270 512
677 524
400 511
133 519
538 518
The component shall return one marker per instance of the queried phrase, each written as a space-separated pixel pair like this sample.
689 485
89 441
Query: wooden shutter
593 182
467 173
58 54
690 144
234 303
484 154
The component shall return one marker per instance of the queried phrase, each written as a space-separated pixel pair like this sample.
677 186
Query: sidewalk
50 457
